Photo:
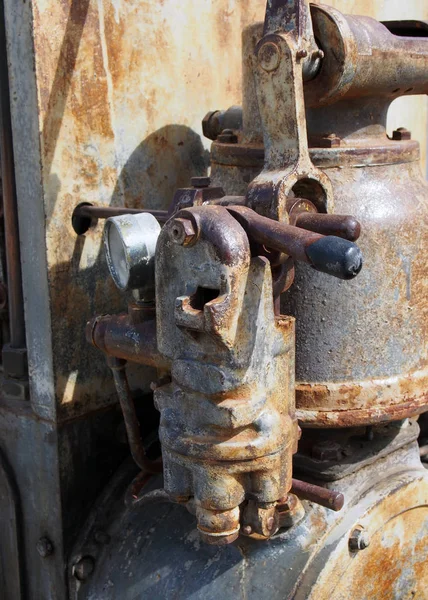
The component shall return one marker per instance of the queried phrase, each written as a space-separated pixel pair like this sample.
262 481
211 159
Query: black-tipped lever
329 254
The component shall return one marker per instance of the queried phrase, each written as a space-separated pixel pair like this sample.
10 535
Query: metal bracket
282 60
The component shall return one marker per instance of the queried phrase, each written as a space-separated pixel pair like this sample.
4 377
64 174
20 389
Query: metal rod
322 496
105 212
343 226
130 417
13 254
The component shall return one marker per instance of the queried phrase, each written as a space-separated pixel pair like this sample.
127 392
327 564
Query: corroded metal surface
362 349
227 429
115 131
380 498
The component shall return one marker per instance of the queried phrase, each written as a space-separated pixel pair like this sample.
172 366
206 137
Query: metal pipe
13 254
132 425
105 212
319 495
118 336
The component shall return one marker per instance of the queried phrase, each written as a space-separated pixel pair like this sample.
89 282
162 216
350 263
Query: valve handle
343 226
328 254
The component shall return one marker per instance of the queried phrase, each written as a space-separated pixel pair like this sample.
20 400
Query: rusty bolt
330 141
84 568
359 540
200 182
327 450
318 54
401 134
301 54
183 232
227 137
269 56
44 547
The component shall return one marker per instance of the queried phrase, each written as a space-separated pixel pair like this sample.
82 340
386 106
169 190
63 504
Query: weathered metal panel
122 88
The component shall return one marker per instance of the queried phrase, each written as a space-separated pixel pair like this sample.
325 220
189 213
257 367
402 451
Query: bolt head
44 547
227 137
182 232
301 54
327 450
401 134
330 141
269 56
200 182
84 568
359 540
247 530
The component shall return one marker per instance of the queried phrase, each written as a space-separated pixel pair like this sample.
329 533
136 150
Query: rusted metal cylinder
120 337
362 347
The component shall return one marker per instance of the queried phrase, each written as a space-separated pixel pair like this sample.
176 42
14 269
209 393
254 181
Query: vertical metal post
13 256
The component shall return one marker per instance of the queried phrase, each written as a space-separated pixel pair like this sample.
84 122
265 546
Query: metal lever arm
343 226
329 254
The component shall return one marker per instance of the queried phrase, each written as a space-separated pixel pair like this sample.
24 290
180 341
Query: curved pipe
130 417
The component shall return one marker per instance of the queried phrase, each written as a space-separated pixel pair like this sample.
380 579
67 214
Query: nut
330 141
227 137
84 568
327 450
401 134
44 547
359 540
200 182
183 232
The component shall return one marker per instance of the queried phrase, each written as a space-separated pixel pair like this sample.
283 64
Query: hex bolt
330 141
183 232
44 547
227 137
401 134
327 450
200 182
84 568
359 540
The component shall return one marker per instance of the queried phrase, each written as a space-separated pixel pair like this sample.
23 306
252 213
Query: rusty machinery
216 288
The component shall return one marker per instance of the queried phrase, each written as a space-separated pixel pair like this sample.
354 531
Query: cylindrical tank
362 347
